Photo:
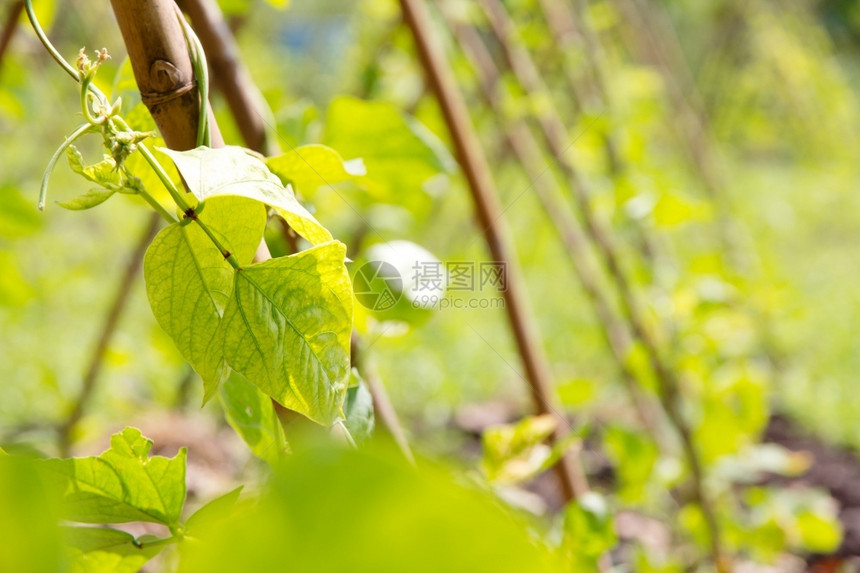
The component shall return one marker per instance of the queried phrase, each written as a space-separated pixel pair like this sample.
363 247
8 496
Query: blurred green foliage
778 85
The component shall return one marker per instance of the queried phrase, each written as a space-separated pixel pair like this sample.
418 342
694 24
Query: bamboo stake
162 67
526 148
494 228
554 134
230 74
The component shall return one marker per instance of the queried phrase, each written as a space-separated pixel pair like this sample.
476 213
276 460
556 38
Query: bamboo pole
495 230
229 73
527 150
555 136
162 67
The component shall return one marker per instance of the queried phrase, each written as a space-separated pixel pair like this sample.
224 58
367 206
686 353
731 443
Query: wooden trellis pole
496 233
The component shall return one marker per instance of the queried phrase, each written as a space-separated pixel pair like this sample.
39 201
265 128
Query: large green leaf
399 152
251 413
122 484
287 327
234 171
311 166
188 282
106 550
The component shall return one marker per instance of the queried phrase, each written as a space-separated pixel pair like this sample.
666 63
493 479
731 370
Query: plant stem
43 190
230 75
186 207
498 238
69 68
120 300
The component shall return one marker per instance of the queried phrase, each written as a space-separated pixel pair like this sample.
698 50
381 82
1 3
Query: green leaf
516 452
104 172
311 166
234 171
122 484
588 526
403 154
92 198
287 327
188 282
442 524
358 408
634 455
818 532
210 514
251 413
107 550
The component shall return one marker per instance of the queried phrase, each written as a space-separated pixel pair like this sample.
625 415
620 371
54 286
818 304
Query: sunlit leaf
106 550
234 171
92 198
122 484
403 154
188 282
311 166
287 328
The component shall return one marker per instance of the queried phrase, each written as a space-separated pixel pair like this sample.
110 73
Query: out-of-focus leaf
311 166
14 289
516 452
439 525
588 527
252 415
399 152
214 512
818 533
633 454
122 484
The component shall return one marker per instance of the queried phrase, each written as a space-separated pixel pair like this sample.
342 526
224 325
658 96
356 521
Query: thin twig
117 307
495 231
